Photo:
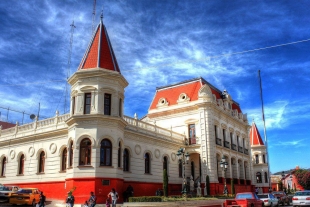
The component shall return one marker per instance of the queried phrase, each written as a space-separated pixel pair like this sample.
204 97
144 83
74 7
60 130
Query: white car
301 198
268 199
5 192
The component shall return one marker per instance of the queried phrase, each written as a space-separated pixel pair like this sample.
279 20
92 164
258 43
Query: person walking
92 200
42 199
114 196
70 200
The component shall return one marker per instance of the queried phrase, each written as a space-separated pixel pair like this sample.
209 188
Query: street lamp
183 158
224 166
283 181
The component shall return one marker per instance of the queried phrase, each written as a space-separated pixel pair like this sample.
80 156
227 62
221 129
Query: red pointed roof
190 88
99 53
255 137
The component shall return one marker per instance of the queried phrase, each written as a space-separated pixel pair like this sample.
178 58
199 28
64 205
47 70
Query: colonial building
96 147
261 176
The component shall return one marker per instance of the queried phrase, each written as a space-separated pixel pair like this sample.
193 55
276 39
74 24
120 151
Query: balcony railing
234 147
240 149
226 144
246 151
218 141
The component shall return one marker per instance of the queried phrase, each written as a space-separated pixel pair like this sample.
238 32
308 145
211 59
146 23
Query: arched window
3 166
42 162
165 164
105 153
21 164
256 159
71 154
119 155
85 152
180 169
64 160
147 163
193 170
266 177
264 161
258 177
126 160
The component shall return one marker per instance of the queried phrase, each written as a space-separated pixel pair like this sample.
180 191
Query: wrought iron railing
218 141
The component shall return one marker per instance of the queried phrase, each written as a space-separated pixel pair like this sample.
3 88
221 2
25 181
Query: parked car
268 199
282 197
25 196
5 192
301 198
244 200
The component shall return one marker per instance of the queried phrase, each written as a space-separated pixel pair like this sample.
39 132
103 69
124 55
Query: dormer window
162 102
183 98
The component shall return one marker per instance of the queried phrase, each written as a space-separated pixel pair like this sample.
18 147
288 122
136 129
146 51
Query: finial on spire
101 16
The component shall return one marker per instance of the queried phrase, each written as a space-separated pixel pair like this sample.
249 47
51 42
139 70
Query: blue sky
164 42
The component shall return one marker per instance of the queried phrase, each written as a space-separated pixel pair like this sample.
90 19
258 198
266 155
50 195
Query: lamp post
224 166
283 181
183 158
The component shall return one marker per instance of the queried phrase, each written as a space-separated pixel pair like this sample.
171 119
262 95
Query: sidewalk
61 203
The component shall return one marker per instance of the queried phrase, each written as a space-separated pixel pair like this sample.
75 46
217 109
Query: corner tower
261 176
96 125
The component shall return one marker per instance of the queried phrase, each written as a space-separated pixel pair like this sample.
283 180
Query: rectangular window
192 133
224 135
215 130
73 104
238 141
87 103
107 104
231 138
120 108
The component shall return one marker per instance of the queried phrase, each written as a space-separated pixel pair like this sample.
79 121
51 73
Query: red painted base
83 186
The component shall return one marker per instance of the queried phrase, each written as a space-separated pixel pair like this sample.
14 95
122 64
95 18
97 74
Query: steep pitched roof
255 137
99 53
190 88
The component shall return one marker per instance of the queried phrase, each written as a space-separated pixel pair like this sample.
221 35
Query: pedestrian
129 191
92 200
70 200
85 204
114 196
42 199
107 203
256 190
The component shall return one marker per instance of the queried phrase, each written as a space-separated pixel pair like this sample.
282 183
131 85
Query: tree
280 184
165 182
232 186
207 185
303 178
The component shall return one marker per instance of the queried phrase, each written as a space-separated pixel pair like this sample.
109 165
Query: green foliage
208 184
280 185
232 186
146 199
303 178
165 183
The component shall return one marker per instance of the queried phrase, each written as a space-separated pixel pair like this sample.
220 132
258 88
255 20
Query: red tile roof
99 53
191 87
6 125
255 137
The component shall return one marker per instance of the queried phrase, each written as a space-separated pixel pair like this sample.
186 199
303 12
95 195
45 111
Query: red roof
99 53
255 137
6 125
190 88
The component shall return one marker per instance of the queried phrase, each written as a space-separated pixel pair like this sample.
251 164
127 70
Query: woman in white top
114 196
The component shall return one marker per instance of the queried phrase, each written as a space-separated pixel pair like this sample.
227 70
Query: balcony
218 141
240 149
234 147
226 144
246 151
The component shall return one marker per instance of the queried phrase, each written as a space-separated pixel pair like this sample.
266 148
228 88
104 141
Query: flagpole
265 134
